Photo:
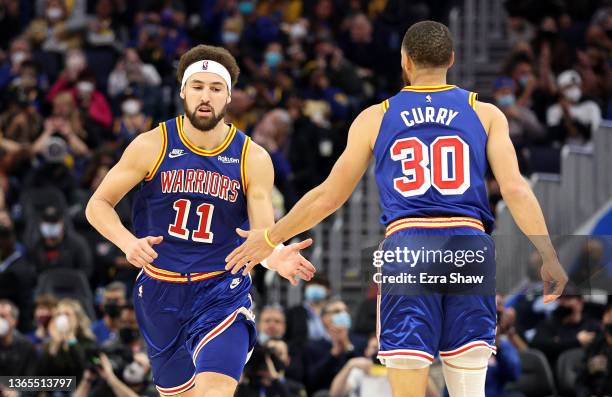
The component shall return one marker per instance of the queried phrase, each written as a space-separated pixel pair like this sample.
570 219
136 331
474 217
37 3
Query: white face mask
18 57
85 87
51 230
297 31
573 94
62 323
4 327
130 107
54 13
133 373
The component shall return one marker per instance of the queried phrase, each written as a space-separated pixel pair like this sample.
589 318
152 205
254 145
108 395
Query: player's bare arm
137 160
260 180
519 197
321 201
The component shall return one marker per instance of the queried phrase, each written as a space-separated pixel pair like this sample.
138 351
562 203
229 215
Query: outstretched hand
287 261
554 278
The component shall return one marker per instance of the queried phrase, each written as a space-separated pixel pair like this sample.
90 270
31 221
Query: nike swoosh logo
173 155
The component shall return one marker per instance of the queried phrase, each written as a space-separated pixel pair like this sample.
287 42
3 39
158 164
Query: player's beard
201 123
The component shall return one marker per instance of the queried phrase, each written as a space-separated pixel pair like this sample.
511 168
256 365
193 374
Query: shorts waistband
433 222
173 277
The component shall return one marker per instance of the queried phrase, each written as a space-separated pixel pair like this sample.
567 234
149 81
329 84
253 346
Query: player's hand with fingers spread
287 261
554 278
139 252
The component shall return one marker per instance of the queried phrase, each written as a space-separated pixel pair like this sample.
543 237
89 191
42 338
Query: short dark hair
429 44
212 53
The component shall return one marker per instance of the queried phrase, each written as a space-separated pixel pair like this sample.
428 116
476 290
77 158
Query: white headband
210 67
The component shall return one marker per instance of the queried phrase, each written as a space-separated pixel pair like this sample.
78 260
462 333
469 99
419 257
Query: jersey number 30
448 171
179 227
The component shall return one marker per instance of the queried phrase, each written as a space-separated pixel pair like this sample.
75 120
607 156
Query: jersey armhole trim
385 105
161 155
472 99
243 165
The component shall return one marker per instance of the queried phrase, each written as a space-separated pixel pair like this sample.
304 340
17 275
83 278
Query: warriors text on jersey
195 199
431 156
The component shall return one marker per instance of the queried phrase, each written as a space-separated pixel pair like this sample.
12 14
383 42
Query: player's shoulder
149 140
488 113
257 156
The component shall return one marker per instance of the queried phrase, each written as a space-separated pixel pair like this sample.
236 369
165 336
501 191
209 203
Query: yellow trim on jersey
243 166
173 277
472 99
385 105
433 222
161 155
203 152
428 88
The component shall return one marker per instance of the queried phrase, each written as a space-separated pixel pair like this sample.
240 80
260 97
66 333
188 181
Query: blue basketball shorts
194 323
436 291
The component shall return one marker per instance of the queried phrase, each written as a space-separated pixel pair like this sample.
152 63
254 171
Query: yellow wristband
267 237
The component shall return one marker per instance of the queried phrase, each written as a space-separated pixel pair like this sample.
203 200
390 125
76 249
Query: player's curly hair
212 53
428 44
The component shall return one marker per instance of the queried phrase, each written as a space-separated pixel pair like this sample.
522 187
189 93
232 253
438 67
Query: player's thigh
212 384
408 382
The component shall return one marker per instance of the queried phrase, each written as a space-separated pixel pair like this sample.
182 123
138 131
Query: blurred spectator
17 275
133 121
17 354
101 28
271 324
240 110
113 299
264 373
566 329
595 376
573 118
19 52
523 124
70 333
74 64
304 321
58 245
63 31
362 376
66 124
11 21
142 78
43 312
272 133
326 357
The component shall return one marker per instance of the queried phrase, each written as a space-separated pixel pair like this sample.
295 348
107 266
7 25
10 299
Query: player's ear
182 93
452 59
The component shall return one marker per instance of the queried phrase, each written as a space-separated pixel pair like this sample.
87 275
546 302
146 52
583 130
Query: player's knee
465 375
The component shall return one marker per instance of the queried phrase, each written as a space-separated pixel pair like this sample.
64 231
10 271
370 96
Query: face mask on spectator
246 7
133 373
297 31
315 293
43 321
272 59
54 13
506 100
572 94
342 319
4 327
112 309
51 230
85 87
128 335
524 79
229 37
262 337
17 57
130 107
62 323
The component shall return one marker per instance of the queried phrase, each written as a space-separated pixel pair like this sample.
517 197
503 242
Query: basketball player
200 178
430 143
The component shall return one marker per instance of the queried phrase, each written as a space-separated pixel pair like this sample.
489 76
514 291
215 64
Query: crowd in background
79 79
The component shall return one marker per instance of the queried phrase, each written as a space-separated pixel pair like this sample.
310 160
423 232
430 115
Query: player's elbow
515 192
92 209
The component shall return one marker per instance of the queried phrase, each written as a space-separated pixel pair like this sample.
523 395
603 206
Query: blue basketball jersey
430 156
195 199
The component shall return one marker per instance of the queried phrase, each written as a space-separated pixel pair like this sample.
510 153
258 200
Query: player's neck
205 140
428 78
